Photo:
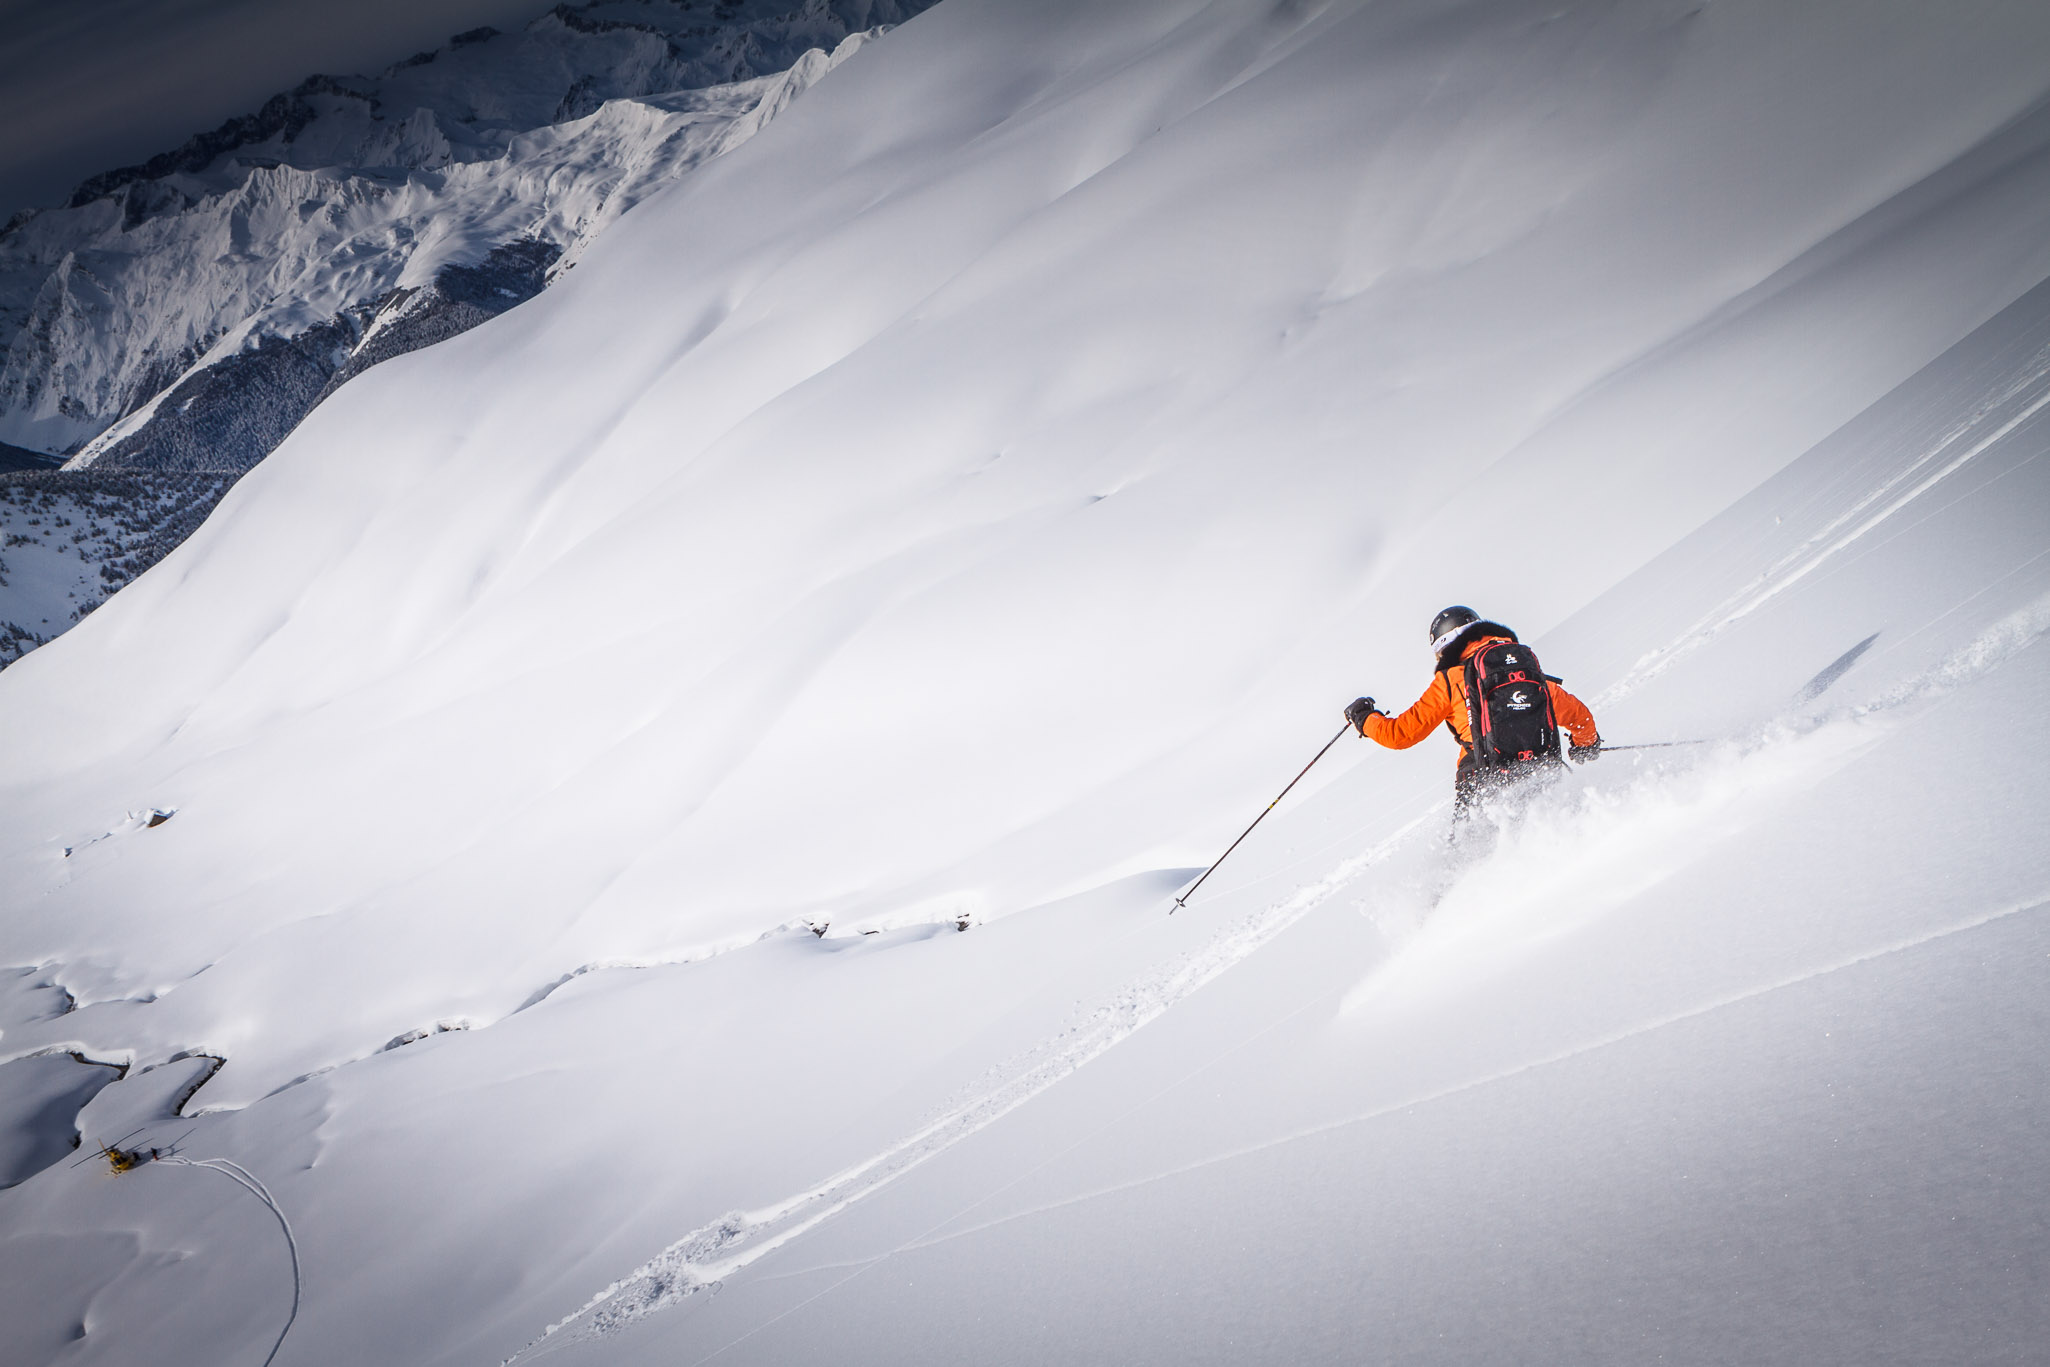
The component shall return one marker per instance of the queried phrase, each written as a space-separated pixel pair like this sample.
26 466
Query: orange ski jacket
1444 704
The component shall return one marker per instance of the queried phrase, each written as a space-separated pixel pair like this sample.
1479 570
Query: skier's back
1489 692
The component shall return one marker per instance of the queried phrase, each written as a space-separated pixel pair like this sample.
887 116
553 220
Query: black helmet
1448 624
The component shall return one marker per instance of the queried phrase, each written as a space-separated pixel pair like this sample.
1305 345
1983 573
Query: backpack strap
1476 710
1465 750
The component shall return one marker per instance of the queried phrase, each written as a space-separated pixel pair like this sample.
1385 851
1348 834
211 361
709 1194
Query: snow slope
981 541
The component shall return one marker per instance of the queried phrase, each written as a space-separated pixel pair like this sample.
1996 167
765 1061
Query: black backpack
1508 707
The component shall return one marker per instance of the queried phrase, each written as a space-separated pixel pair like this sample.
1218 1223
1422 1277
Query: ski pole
1183 900
1652 745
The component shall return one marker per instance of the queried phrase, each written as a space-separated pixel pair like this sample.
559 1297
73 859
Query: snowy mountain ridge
187 312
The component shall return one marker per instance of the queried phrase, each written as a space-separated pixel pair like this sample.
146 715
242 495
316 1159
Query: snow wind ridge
705 1256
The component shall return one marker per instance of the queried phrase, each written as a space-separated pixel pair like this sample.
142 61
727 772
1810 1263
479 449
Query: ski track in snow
252 1184
705 1256
701 1259
2038 902
2000 643
1847 528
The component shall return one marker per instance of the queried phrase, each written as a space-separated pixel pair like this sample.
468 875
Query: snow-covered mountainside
186 313
642 833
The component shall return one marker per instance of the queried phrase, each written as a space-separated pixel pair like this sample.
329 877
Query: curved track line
246 1180
702 1258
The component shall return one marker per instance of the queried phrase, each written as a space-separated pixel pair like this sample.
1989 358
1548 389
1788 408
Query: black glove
1357 712
1581 754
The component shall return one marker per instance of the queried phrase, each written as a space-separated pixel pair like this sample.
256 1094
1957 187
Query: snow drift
964 504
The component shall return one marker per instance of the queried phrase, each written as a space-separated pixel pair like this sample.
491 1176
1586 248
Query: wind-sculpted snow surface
962 505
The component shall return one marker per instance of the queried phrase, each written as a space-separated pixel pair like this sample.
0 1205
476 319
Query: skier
1491 695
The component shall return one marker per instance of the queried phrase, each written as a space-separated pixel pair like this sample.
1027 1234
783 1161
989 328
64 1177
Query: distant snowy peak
187 312
464 101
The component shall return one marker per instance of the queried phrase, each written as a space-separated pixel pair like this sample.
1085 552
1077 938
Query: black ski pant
1475 786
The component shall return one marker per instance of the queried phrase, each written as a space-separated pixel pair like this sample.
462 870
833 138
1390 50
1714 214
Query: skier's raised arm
1424 716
